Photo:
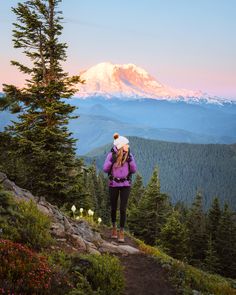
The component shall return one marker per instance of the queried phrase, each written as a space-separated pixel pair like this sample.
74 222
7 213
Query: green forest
184 168
38 153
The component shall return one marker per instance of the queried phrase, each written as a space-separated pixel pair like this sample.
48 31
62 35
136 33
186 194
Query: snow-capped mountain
130 81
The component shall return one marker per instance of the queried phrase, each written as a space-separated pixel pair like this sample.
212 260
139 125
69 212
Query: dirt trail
143 274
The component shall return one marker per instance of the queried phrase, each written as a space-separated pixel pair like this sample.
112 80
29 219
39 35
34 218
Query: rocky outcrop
77 234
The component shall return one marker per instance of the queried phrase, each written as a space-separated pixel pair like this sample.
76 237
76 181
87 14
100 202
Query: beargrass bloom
73 208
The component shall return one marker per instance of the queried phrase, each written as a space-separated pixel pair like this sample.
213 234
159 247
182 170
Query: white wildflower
73 208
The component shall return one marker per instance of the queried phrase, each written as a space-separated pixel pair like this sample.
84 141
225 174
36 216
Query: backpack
111 177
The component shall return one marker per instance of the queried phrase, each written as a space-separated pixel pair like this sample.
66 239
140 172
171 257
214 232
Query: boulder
122 249
78 242
58 230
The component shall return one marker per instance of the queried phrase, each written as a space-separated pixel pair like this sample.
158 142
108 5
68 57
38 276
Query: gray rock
93 251
44 209
17 191
78 242
68 226
61 240
83 228
111 248
129 249
58 230
89 245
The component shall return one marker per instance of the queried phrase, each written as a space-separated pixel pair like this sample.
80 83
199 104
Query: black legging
114 194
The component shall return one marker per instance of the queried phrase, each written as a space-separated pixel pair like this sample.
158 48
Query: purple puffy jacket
119 172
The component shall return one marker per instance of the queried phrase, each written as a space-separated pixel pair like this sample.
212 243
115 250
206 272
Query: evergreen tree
137 191
77 194
146 221
93 186
226 243
183 210
213 218
43 141
173 236
211 260
212 223
13 167
86 200
196 225
105 204
100 192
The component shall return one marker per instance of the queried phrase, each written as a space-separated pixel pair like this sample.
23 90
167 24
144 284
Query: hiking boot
114 233
121 237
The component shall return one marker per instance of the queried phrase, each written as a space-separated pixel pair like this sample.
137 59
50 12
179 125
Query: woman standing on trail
119 165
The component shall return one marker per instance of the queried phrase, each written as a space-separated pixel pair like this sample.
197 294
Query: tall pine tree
211 259
44 143
212 224
196 225
105 204
213 218
174 236
226 243
137 191
151 213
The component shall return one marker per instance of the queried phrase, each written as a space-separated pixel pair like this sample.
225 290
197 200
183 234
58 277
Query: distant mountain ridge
184 168
153 119
130 81
149 118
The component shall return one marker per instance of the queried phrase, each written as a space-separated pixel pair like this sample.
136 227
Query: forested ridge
184 168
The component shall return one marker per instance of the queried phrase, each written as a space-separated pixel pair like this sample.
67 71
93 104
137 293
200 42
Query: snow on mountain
130 81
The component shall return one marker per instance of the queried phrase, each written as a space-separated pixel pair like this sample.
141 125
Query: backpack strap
113 161
129 177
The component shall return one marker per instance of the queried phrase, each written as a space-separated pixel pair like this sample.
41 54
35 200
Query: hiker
119 165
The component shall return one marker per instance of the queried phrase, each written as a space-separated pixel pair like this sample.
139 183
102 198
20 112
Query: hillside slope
147 270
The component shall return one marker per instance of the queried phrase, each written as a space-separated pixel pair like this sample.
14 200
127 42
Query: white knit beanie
119 140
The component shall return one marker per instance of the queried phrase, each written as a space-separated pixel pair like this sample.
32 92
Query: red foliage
22 271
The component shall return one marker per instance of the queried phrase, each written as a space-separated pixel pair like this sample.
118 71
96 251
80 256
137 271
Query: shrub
89 274
22 271
22 222
63 278
102 272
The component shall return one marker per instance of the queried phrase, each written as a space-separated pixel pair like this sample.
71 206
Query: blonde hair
120 160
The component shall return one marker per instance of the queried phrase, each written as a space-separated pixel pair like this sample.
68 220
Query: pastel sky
182 43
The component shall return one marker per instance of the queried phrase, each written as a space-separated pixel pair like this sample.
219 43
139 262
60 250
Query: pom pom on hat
115 135
120 141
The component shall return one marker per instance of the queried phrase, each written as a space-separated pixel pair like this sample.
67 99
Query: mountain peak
131 81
